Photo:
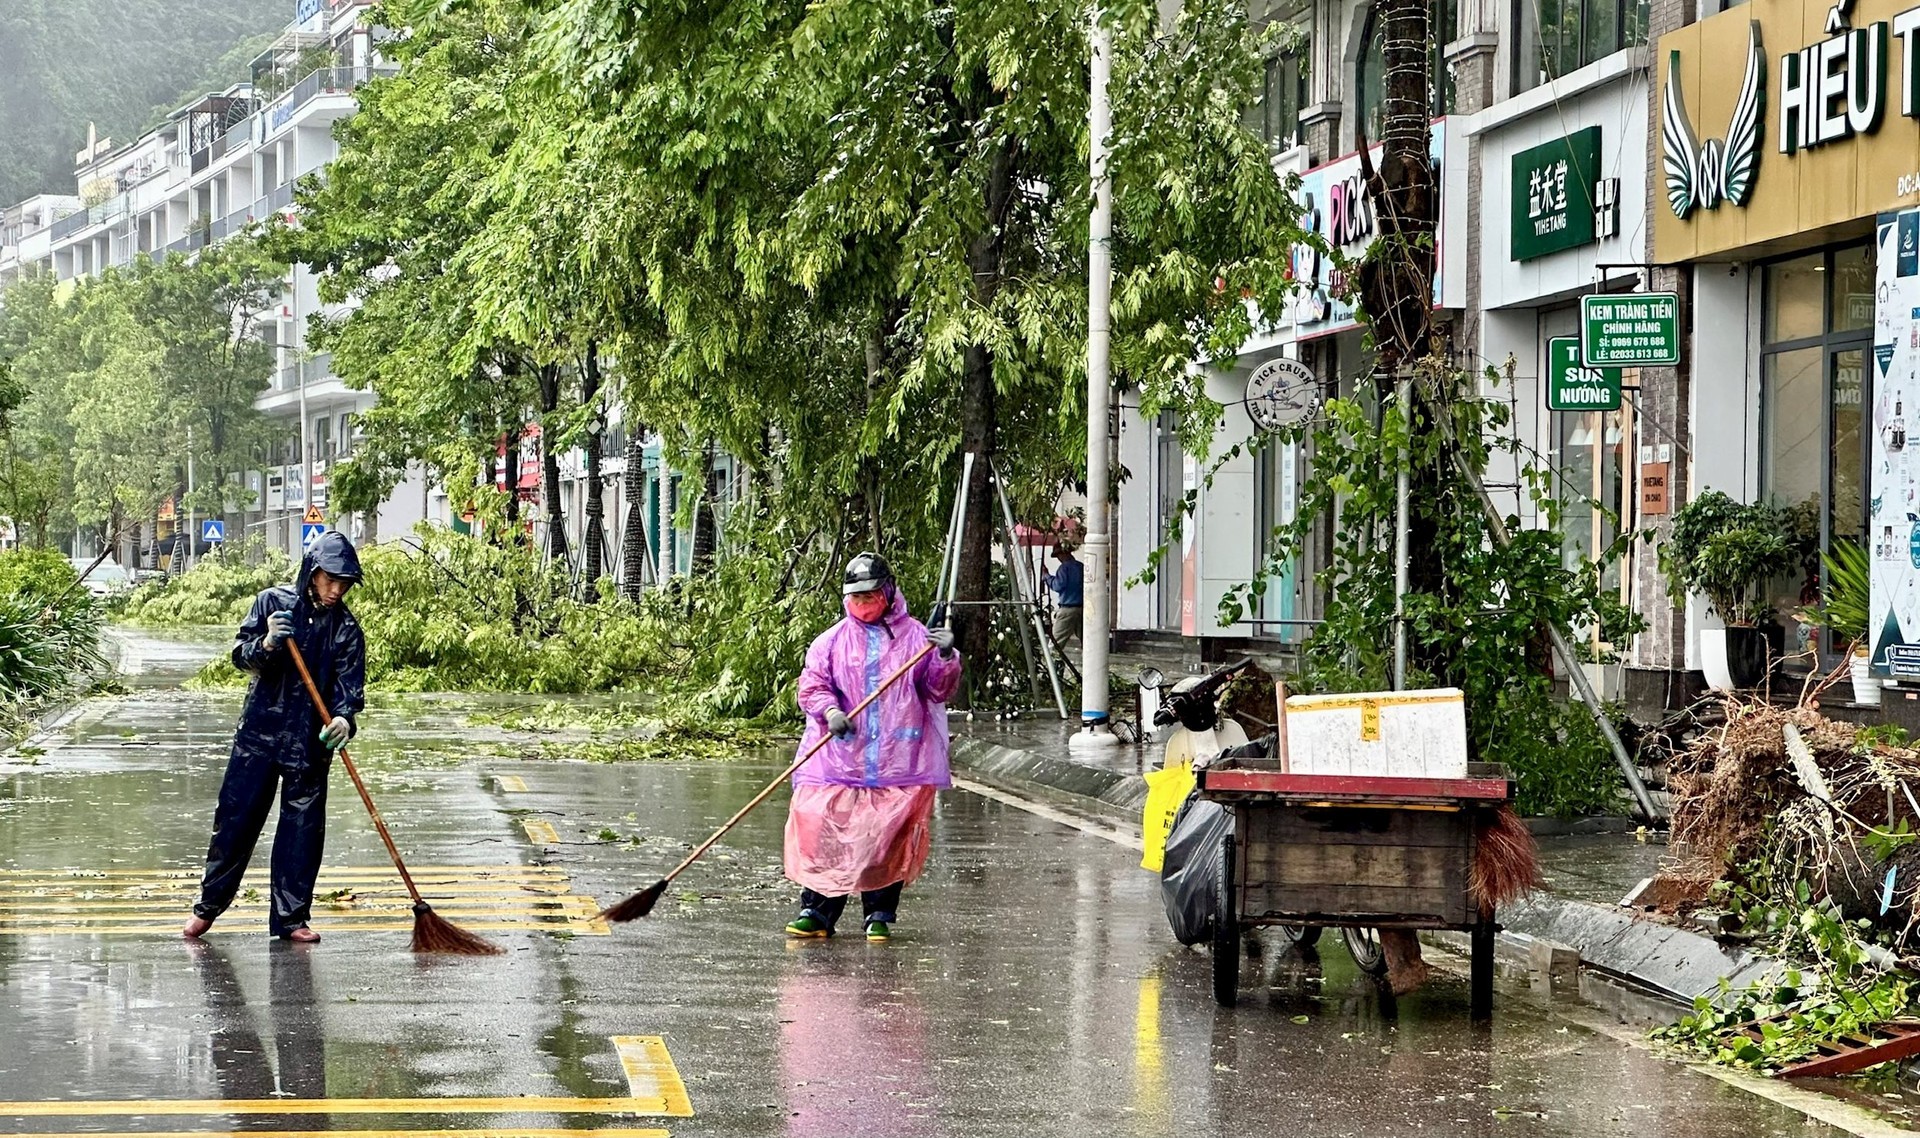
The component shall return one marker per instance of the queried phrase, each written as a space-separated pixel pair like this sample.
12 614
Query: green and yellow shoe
808 927
878 932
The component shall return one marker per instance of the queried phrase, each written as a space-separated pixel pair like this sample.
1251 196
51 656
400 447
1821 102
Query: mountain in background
121 64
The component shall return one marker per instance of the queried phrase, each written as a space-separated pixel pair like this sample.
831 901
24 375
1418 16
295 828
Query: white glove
336 733
279 629
941 638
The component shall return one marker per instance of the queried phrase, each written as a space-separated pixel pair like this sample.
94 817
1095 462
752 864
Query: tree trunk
596 530
549 378
512 463
635 557
1397 280
706 528
869 479
978 416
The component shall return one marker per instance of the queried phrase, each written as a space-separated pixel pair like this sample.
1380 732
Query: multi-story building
1540 147
229 159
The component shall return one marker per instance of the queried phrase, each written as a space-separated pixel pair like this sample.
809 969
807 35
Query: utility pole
189 503
1095 730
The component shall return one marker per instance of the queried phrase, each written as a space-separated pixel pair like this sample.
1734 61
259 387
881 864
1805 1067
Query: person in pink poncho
862 808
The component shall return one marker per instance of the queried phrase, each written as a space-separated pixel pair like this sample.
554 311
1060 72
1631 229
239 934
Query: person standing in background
1067 583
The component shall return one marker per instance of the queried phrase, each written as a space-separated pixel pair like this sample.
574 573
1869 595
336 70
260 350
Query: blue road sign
310 533
213 529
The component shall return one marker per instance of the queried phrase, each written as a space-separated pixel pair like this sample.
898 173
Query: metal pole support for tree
1576 677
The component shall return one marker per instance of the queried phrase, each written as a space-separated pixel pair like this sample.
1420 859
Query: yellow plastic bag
1166 790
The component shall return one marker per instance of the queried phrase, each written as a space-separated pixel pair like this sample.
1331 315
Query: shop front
1563 214
1175 563
1790 197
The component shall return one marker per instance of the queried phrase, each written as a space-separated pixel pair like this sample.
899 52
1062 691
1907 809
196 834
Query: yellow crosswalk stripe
347 898
512 1104
650 1071
510 783
494 1132
540 833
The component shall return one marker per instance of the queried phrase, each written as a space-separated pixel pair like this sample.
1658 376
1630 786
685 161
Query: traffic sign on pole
310 533
213 530
315 517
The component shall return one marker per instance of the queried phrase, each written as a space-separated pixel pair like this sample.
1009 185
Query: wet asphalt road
1032 987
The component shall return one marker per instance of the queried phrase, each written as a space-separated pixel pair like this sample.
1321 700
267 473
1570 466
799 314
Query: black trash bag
1190 874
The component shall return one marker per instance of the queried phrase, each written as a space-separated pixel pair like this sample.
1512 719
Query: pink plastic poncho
861 807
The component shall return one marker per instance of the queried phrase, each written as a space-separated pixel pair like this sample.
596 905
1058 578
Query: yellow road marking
510 783
489 897
571 925
137 894
515 1132
326 872
539 832
651 1073
360 902
527 1104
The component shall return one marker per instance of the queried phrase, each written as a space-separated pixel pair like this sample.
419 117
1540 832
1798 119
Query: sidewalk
1576 922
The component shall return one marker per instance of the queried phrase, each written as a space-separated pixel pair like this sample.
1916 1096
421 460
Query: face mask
868 607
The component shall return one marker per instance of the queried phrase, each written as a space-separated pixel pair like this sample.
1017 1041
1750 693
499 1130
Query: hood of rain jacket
901 739
279 721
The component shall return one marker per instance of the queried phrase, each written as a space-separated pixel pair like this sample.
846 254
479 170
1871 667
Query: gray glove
336 733
279 629
838 724
942 639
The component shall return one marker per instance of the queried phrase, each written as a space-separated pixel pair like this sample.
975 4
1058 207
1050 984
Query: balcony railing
325 81
109 210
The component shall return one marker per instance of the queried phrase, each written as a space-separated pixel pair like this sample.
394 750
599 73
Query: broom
431 931
640 904
1506 862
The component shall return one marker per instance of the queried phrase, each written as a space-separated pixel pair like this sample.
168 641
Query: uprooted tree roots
1740 808
1803 830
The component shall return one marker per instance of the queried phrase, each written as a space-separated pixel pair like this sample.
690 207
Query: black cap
865 573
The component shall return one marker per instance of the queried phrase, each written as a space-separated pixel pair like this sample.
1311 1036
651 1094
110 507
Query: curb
1551 935
1056 781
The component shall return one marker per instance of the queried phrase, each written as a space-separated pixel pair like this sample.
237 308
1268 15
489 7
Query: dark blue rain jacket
279 722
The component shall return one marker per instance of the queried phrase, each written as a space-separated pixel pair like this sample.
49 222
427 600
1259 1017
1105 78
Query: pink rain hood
902 738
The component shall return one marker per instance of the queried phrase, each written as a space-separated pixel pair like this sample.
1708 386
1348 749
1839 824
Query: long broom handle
353 772
797 764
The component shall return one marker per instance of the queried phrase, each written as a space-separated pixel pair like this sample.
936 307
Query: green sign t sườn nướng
1572 386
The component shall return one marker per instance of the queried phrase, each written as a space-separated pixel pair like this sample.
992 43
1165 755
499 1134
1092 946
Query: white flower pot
1866 685
1713 659
1607 679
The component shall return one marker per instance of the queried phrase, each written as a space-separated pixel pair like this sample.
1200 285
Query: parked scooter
1193 704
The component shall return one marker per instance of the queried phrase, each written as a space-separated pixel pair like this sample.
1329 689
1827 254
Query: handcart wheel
1302 936
1226 933
1364 946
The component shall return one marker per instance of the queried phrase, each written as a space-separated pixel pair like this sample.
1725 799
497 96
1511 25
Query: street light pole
1095 730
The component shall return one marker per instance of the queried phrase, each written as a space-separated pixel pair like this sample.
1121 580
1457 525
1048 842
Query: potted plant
1727 551
1843 610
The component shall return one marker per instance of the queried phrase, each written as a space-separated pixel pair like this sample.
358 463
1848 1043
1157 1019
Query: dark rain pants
875 905
246 795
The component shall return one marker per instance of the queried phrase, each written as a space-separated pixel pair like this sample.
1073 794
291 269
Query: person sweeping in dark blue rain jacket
281 743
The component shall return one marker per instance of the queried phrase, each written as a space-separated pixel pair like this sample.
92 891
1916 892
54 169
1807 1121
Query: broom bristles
1506 862
434 933
636 906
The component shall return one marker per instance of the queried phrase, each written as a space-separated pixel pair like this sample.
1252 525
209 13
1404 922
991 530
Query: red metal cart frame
1339 851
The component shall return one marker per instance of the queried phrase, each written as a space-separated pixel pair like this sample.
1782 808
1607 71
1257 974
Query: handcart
1355 852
